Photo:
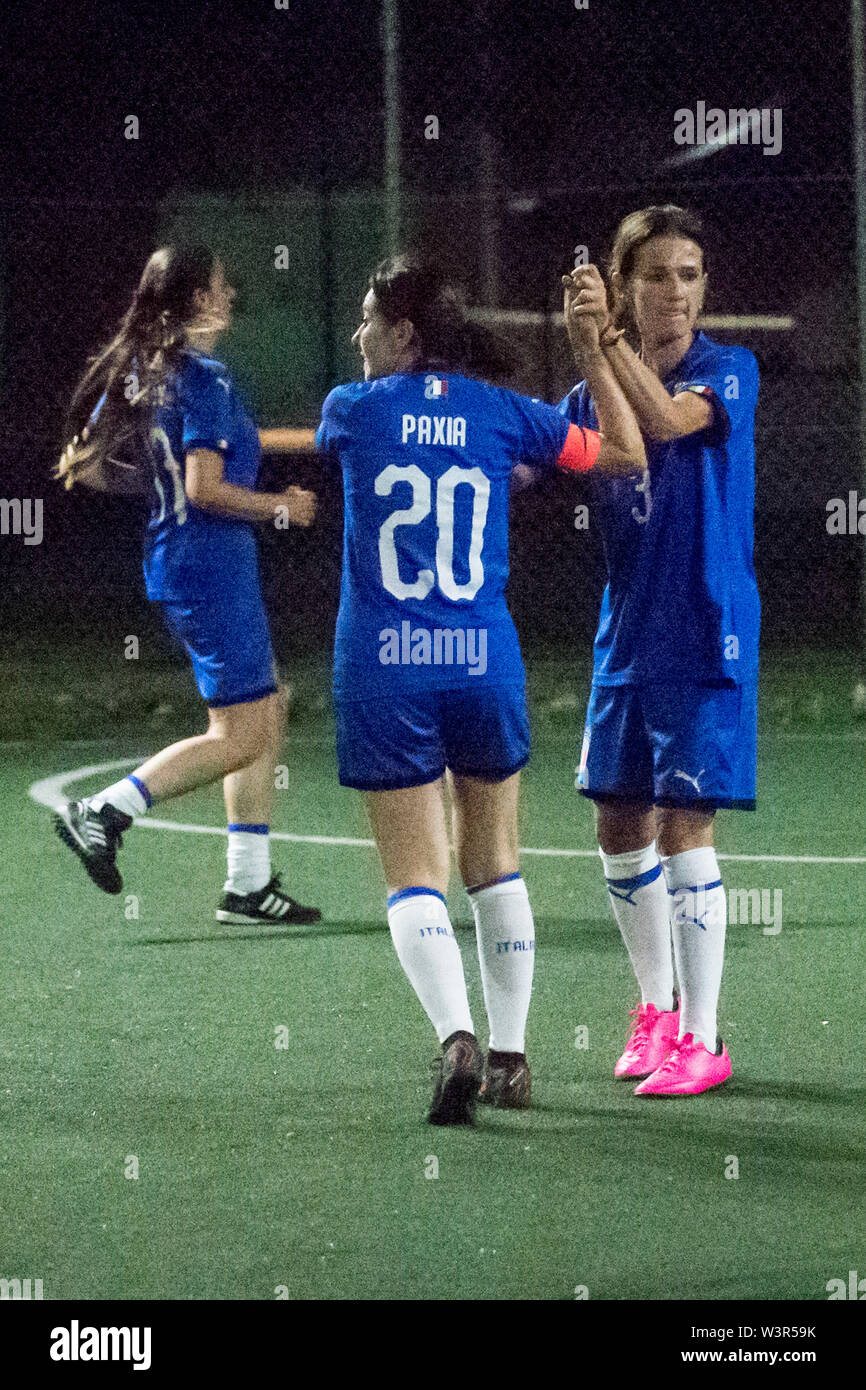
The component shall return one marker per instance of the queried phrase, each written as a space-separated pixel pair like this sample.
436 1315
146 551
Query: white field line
51 792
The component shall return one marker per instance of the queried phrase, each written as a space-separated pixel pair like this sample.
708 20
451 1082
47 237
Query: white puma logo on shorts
694 780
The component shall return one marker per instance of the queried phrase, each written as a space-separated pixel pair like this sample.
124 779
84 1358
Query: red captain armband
580 450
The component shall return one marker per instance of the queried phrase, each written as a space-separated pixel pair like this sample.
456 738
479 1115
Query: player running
428 671
171 410
671 728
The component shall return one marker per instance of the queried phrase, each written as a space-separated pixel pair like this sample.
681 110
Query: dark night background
261 108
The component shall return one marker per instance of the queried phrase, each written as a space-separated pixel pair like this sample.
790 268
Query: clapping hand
585 308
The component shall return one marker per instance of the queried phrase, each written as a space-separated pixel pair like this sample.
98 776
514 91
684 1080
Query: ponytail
409 287
127 378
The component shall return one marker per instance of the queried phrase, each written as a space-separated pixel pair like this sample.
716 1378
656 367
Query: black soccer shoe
95 836
507 1083
458 1075
270 904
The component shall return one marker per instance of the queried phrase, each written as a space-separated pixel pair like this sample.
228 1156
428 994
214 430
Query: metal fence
516 178
292 343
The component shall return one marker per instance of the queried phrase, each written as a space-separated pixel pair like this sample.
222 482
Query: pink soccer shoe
652 1036
688 1069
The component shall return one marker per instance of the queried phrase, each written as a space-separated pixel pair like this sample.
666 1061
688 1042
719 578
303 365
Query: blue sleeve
333 433
578 407
206 402
729 380
540 430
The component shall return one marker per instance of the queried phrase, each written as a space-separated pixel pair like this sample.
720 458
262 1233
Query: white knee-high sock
249 858
427 948
699 913
505 936
638 896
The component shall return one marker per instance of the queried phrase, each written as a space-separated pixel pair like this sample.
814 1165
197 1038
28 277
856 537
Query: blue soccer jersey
190 553
426 464
681 602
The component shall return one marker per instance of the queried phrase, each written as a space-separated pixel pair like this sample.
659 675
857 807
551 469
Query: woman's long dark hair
408 286
131 370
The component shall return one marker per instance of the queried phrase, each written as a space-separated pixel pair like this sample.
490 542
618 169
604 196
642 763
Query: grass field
147 1043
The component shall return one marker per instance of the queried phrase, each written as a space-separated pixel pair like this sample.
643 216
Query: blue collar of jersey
680 369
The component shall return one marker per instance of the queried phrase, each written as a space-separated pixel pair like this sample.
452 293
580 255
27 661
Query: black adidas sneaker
269 904
507 1083
458 1076
95 836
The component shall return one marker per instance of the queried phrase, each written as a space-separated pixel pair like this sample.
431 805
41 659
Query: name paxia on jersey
681 603
435 429
425 537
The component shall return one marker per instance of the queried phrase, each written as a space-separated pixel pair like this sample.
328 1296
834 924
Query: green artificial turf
305 1167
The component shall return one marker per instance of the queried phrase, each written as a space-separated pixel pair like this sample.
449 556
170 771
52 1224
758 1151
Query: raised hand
580 320
590 294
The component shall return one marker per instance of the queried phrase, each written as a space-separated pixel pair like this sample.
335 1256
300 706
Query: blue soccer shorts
384 744
670 744
229 643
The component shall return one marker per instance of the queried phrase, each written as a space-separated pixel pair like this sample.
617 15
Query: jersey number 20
420 508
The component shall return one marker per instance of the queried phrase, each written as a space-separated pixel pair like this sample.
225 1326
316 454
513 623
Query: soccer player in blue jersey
428 672
170 410
671 728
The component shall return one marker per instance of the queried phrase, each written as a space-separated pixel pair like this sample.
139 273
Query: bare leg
409 826
249 798
249 791
236 737
411 836
622 826
679 828
484 818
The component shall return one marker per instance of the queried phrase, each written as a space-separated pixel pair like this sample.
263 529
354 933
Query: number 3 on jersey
643 487
420 508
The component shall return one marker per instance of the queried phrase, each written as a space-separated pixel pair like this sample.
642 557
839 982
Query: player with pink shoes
671 728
